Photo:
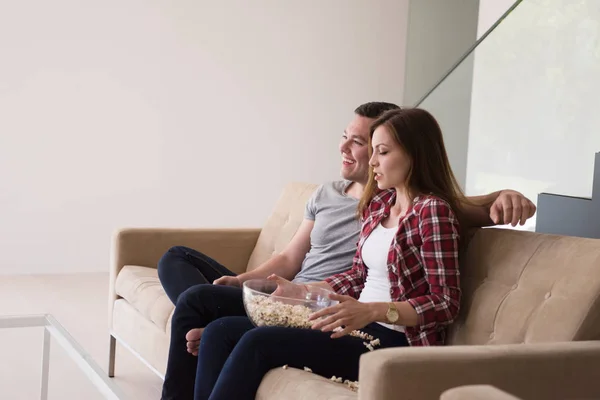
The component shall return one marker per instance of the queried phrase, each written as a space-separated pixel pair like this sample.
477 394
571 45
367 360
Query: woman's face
389 161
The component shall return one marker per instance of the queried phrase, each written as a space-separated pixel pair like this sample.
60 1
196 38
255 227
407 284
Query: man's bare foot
193 340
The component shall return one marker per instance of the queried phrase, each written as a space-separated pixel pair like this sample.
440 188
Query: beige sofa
589 389
527 298
476 392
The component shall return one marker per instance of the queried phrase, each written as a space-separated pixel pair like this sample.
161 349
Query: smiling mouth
347 161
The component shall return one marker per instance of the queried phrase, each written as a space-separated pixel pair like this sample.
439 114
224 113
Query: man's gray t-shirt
335 234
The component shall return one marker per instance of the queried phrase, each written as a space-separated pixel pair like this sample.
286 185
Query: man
324 245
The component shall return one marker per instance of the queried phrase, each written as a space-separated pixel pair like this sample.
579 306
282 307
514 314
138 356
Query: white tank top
374 254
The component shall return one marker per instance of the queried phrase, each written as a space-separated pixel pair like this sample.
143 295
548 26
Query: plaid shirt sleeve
439 230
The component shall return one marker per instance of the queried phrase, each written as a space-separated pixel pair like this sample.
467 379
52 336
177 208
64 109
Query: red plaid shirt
422 264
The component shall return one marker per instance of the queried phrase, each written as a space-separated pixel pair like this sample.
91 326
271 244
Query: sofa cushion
141 336
295 384
142 289
525 287
283 222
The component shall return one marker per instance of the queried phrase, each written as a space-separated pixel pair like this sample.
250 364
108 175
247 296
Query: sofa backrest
283 222
522 287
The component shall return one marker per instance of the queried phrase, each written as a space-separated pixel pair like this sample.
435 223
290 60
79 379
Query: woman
403 288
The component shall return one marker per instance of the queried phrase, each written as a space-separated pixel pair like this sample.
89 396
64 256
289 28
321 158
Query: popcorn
371 345
352 385
362 335
285 366
307 369
265 311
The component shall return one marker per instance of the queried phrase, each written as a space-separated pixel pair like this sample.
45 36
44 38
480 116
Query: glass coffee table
69 372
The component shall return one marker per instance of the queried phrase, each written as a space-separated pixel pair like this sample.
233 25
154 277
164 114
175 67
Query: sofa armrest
531 371
476 392
145 247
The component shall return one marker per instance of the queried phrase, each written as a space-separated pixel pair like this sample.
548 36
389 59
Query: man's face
354 147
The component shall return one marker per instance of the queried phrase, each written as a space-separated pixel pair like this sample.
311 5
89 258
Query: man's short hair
374 109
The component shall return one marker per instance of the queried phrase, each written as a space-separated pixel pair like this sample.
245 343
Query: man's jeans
180 268
186 275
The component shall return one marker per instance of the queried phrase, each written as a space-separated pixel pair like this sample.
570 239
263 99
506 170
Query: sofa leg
111 356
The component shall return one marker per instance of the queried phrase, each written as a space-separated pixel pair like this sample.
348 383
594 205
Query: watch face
392 315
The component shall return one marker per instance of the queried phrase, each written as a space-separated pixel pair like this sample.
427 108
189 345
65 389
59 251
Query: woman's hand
286 288
349 313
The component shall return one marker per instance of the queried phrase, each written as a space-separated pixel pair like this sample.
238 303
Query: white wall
489 12
439 33
187 114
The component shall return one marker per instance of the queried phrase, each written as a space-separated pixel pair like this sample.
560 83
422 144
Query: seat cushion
476 392
295 384
142 290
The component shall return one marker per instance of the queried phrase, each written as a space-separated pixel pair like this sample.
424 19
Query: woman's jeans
234 356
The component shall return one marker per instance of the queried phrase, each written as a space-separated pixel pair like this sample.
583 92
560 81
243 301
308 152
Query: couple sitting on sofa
400 201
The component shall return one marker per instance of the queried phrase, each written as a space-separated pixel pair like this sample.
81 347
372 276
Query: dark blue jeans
234 356
186 275
180 268
196 308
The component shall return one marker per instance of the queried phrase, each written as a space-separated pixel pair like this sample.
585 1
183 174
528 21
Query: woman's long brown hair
417 131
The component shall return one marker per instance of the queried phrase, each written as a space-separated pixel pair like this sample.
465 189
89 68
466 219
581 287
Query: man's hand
228 281
350 313
286 288
511 207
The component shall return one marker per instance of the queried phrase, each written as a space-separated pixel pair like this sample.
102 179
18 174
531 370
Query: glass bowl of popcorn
292 309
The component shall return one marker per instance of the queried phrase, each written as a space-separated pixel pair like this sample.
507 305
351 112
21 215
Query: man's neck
355 190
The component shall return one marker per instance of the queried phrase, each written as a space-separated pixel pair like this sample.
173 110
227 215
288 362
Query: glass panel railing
439 33
520 110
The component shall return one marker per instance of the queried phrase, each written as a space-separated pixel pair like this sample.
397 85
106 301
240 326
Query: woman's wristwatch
392 314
